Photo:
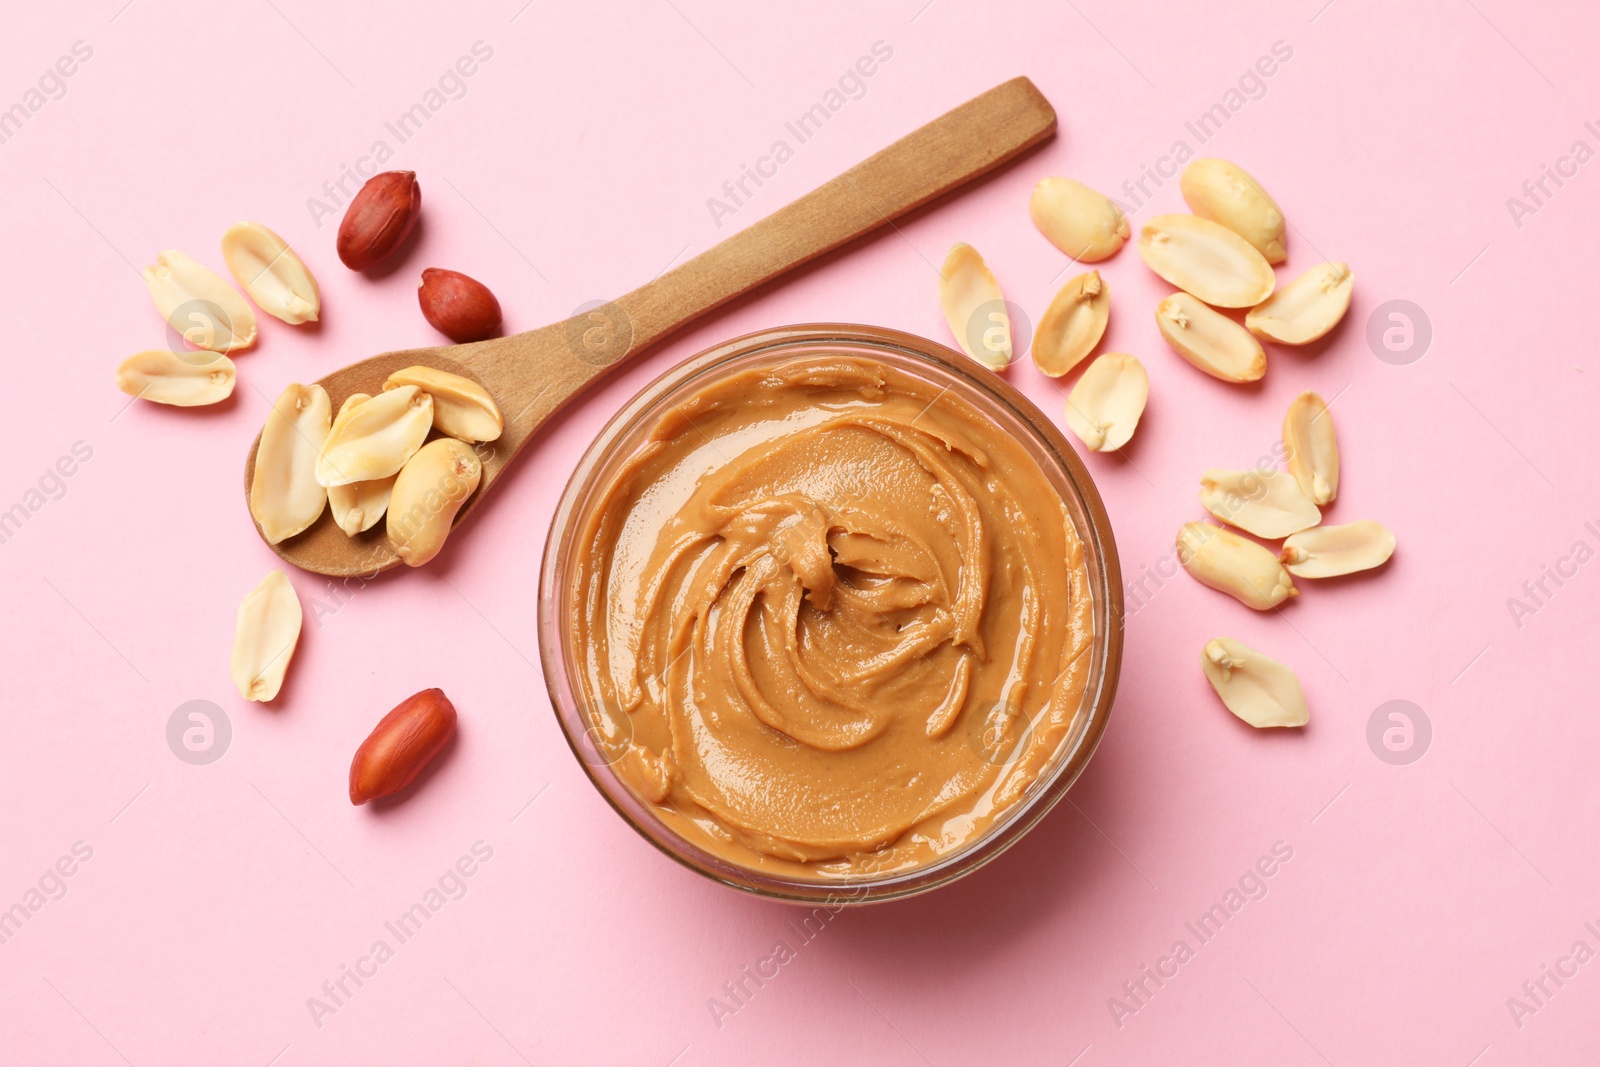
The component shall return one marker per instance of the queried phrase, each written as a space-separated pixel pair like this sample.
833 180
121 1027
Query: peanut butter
829 618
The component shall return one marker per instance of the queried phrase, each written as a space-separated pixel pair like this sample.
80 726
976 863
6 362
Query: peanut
404 742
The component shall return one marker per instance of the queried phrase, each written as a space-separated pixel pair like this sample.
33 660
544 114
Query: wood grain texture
532 375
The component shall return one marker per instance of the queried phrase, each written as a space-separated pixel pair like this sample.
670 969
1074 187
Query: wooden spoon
532 375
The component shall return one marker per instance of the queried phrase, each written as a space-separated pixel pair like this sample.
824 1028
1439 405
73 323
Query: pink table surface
209 904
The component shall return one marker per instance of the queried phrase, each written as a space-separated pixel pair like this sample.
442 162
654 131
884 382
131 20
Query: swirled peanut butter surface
829 618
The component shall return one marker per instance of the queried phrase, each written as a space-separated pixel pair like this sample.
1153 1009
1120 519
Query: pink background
578 163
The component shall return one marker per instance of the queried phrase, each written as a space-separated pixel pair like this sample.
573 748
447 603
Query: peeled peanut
1311 448
375 438
285 496
198 304
1234 565
1103 409
430 490
1267 503
1084 224
264 637
974 307
461 407
193 379
268 269
1332 551
359 505
1222 192
1261 691
1210 340
1072 325
1305 309
1206 259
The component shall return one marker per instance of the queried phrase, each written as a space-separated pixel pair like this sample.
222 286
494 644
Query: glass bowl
940 365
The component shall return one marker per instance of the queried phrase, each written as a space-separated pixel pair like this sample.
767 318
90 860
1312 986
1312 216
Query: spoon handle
953 149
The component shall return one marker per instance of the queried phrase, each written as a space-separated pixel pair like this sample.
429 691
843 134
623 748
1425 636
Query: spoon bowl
505 366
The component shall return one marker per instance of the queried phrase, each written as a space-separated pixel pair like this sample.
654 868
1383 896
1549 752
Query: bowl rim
1107 614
